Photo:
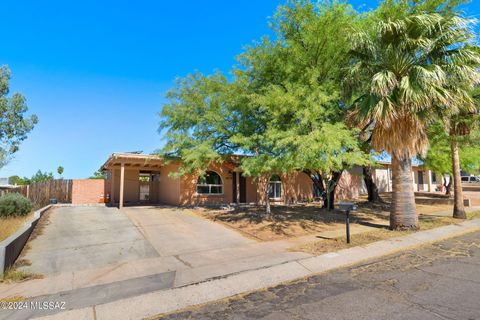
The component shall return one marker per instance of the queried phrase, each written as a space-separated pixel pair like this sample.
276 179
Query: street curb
168 301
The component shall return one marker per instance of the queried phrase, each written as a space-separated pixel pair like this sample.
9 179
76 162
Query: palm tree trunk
372 189
402 214
458 207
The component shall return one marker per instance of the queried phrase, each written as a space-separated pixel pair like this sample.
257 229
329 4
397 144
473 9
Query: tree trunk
316 179
268 210
330 199
326 200
331 186
372 188
402 213
458 207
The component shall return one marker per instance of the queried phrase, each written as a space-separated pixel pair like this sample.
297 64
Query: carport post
122 182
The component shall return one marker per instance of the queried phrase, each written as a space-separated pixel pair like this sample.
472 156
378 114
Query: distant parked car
470 179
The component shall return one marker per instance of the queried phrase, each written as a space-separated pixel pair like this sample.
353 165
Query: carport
133 178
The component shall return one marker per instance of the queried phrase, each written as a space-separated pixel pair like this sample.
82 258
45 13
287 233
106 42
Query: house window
275 187
210 183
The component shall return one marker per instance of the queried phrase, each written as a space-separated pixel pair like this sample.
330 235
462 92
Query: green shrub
14 204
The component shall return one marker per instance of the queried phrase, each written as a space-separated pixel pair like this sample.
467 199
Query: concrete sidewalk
169 300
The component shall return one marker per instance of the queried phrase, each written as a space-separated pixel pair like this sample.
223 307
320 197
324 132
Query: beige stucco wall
131 186
154 191
349 185
383 180
252 194
297 186
169 187
188 188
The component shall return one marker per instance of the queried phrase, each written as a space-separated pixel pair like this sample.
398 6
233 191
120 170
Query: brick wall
88 191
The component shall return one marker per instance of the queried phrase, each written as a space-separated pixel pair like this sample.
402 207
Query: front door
234 187
144 191
243 189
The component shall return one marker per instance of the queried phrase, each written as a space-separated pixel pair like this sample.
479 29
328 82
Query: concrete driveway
199 249
176 232
79 238
87 253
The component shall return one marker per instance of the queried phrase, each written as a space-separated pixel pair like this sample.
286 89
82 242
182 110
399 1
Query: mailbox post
347 207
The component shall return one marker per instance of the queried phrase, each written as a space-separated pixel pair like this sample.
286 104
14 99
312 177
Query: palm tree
460 127
403 71
458 206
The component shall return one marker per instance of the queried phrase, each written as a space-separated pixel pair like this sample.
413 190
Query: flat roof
136 159
133 159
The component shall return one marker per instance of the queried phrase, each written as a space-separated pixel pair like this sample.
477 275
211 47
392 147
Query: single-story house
134 178
5 186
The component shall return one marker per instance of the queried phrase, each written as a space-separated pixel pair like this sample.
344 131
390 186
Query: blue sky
96 72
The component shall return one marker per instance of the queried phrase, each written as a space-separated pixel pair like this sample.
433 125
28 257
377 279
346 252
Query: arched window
210 183
275 187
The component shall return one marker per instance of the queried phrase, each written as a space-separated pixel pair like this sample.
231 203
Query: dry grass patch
426 209
287 222
12 299
335 244
40 227
309 219
9 225
14 275
429 221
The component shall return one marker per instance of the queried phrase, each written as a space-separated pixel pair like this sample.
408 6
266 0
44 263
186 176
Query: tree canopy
438 158
17 180
410 69
283 106
40 176
14 123
330 85
98 175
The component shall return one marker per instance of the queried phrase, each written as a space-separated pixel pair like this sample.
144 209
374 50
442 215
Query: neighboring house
423 180
134 178
5 186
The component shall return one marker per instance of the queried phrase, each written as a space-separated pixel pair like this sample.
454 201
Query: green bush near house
14 204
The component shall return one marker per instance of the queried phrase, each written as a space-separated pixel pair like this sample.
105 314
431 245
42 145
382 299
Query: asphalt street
437 281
